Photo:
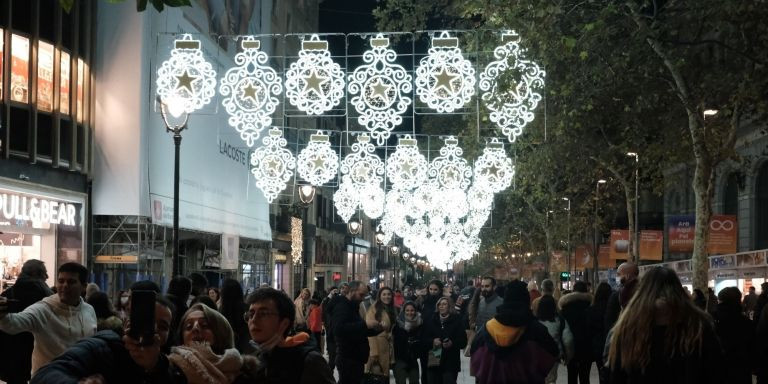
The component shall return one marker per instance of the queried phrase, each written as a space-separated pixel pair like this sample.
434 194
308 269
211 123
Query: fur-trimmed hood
574 297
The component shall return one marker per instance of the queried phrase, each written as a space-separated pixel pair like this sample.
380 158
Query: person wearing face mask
122 305
626 276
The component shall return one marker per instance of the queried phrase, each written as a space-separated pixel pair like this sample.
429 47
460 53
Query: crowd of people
649 329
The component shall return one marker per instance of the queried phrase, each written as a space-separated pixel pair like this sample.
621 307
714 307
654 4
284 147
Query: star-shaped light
273 165
407 167
362 172
444 79
185 81
319 162
314 82
250 91
450 174
380 90
493 170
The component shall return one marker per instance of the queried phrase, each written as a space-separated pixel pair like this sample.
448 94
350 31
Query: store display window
64 84
45 77
19 68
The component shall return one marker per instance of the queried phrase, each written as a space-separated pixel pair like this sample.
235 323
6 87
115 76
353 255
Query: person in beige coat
381 355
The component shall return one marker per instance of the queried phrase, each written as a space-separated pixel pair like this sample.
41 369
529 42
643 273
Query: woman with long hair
662 336
232 306
383 311
407 344
596 326
559 330
445 337
106 317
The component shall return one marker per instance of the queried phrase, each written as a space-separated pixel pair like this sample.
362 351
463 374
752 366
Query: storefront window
19 68
64 84
45 77
80 83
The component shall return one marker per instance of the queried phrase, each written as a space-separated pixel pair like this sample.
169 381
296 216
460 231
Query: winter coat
16 362
452 328
562 335
505 354
596 329
328 310
428 307
103 354
762 300
618 301
55 325
408 343
761 348
350 331
573 308
737 336
380 345
486 309
302 306
294 361
701 366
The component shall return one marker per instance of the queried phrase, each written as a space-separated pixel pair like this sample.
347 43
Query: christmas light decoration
511 107
493 168
272 164
363 165
318 163
314 84
186 82
445 80
406 167
450 170
250 89
297 241
345 199
380 88
372 201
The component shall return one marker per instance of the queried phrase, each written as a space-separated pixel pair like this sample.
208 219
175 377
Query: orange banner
651 245
723 234
604 257
619 244
582 257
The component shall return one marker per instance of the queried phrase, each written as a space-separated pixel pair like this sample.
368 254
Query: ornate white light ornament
297 240
346 200
273 164
363 165
493 168
381 90
450 170
318 162
186 82
512 104
250 89
445 80
372 201
314 84
407 167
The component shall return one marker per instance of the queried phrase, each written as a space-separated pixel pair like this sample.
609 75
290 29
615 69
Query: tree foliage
141 5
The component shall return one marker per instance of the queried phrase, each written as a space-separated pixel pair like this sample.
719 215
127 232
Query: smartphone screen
142 317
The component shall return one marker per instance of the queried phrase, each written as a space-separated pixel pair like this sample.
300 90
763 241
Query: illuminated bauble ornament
380 90
272 165
363 165
450 170
406 167
493 168
445 80
314 84
345 199
250 91
511 106
318 162
372 201
186 82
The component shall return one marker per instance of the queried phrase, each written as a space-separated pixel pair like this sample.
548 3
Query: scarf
201 366
407 324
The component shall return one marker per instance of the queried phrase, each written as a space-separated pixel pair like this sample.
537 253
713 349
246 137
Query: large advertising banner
619 244
604 257
723 234
583 257
681 233
651 245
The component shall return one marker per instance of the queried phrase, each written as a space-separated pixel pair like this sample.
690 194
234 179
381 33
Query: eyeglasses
258 315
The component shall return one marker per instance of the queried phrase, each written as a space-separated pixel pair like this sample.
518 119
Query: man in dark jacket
105 358
762 300
627 274
16 362
352 333
737 336
287 359
328 307
513 347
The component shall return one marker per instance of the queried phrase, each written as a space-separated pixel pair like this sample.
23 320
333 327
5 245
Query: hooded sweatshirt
55 325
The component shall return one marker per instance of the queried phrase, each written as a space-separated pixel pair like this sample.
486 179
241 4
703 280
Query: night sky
347 16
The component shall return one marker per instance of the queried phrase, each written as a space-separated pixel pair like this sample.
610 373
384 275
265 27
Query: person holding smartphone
444 332
137 357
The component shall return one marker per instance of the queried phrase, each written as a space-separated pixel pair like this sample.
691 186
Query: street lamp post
595 264
406 256
637 199
354 229
394 251
176 130
568 234
306 197
379 236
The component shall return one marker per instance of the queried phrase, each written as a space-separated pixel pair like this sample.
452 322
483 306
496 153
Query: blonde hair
224 337
451 308
658 290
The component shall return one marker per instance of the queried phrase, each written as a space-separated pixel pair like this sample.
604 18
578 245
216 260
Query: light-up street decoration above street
314 84
380 90
273 164
318 163
250 89
186 82
445 80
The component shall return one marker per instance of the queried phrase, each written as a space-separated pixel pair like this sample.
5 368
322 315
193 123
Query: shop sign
116 259
752 273
721 262
336 276
280 258
19 207
720 275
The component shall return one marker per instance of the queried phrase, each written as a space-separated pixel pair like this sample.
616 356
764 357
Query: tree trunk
703 189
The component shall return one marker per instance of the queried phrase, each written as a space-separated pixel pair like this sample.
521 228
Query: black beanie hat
516 309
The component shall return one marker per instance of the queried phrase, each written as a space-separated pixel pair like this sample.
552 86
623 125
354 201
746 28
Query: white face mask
123 300
618 280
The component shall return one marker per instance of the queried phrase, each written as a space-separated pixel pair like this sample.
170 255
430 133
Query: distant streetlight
354 229
710 112
307 194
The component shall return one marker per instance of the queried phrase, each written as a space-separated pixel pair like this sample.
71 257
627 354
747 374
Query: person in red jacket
399 299
315 322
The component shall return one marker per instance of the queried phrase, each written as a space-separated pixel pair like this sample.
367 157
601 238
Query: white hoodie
55 325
